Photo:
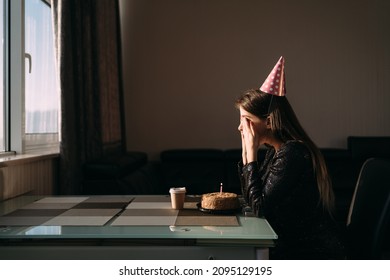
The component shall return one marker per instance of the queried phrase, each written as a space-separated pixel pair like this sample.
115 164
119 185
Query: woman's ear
268 122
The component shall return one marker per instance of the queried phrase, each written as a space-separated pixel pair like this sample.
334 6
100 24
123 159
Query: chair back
369 213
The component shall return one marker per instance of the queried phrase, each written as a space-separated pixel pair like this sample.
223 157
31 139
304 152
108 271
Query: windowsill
11 160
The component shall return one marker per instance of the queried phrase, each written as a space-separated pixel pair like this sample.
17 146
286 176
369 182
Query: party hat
275 83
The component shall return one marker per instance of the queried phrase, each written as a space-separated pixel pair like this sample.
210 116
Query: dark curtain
87 44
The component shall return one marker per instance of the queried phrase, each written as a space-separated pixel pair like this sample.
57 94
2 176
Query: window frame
6 116
16 139
16 75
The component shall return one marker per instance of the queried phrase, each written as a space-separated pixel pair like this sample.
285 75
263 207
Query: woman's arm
249 151
250 183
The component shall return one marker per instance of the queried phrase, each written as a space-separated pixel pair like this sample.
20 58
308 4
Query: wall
28 174
185 62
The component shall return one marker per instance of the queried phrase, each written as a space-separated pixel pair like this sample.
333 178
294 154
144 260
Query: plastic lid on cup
177 190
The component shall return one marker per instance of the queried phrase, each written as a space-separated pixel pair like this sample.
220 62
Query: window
2 83
31 100
41 95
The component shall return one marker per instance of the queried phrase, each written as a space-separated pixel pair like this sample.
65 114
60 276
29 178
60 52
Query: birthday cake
220 201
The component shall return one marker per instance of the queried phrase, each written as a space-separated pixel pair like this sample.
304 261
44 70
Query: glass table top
123 217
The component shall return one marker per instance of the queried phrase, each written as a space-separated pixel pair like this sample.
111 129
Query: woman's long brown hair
285 126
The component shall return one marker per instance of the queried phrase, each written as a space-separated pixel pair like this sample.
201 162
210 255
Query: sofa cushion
111 167
363 148
199 170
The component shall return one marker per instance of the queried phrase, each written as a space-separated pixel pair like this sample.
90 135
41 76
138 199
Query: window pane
2 119
41 96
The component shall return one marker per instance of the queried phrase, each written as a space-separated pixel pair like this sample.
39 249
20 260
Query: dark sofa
202 170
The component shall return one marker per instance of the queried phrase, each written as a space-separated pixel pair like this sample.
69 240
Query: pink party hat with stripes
276 82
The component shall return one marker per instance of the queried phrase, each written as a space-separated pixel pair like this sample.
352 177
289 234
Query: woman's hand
250 141
244 160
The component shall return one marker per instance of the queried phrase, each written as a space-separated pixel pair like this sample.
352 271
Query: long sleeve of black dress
283 189
281 176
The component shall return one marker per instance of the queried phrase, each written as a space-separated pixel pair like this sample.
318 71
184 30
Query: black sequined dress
283 189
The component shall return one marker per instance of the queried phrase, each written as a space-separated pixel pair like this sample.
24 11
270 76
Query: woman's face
260 125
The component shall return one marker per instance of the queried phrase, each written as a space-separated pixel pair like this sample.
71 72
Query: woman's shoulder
294 153
294 146
291 149
294 150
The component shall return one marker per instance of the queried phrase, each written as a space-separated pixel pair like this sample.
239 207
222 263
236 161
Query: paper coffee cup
177 197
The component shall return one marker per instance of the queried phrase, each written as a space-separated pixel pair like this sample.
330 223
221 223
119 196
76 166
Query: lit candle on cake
220 188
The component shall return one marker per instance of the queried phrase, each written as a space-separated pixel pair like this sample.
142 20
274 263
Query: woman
291 187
